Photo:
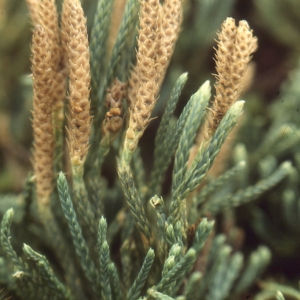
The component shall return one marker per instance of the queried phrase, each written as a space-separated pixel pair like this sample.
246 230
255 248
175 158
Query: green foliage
199 102
139 282
98 45
165 143
80 244
161 237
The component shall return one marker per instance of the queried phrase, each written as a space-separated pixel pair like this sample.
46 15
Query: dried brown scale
42 108
235 46
232 77
79 120
159 27
111 126
48 18
113 121
171 23
65 34
170 16
145 68
59 90
132 84
116 94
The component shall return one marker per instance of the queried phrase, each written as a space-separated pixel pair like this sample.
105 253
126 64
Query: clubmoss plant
129 239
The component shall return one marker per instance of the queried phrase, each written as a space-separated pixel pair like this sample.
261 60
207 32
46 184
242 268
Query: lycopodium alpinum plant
92 98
